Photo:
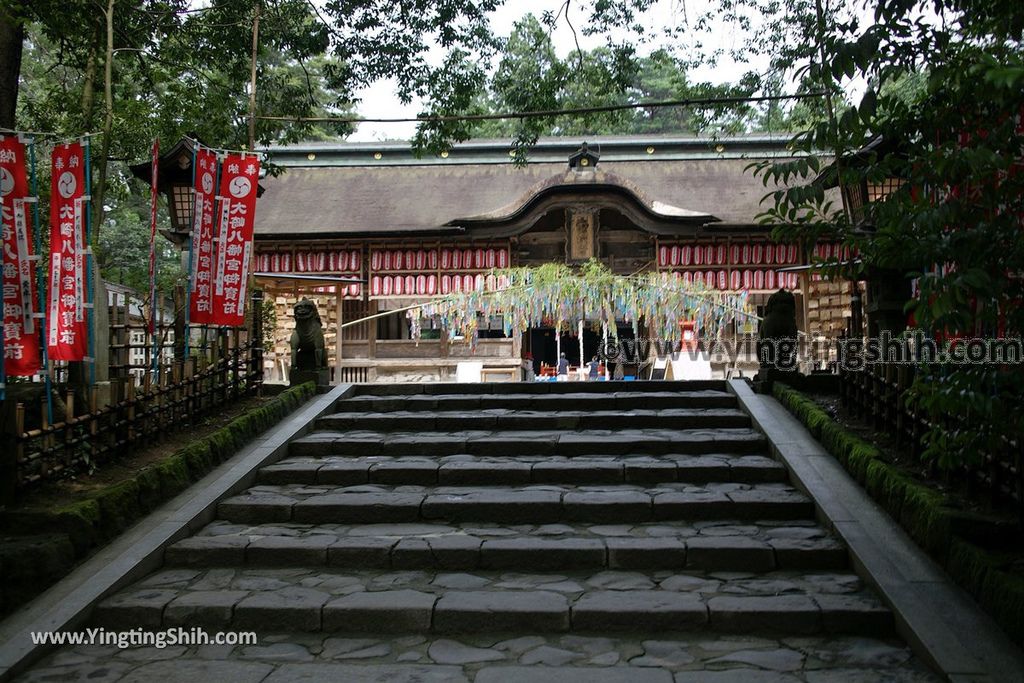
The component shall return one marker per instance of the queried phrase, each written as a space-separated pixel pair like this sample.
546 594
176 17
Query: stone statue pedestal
321 377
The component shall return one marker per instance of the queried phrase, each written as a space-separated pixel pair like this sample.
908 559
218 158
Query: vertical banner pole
153 305
191 255
90 289
40 280
3 335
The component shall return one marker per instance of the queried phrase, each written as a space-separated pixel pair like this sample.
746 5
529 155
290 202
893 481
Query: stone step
468 470
631 657
540 388
620 401
322 504
732 546
274 600
504 418
519 442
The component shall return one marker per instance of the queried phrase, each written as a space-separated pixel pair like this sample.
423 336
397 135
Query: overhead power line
546 113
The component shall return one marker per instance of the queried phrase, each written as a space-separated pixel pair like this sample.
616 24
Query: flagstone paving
512 533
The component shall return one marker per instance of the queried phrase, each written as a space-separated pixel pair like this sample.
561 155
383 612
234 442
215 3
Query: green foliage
269 322
531 77
945 100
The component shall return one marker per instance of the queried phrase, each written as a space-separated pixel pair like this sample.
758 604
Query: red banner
238 180
67 334
204 258
21 334
154 165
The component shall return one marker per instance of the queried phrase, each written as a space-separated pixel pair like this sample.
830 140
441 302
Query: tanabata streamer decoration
20 331
555 292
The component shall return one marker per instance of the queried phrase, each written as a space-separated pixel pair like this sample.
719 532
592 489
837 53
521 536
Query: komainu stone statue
777 335
309 359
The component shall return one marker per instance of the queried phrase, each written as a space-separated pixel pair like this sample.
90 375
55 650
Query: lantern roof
175 166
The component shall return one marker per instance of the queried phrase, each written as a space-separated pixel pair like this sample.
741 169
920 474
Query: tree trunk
12 36
89 82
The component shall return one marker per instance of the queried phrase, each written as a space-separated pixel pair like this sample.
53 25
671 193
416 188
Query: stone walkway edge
939 621
139 551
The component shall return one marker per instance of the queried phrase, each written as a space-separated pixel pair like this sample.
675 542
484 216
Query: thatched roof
344 190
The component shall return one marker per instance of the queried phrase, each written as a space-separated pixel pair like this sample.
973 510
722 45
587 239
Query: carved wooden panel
582 243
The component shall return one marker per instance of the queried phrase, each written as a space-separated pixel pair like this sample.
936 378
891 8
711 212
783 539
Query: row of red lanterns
344 261
737 280
720 254
384 260
431 285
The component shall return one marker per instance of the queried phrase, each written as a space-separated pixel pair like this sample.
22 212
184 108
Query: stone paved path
538 534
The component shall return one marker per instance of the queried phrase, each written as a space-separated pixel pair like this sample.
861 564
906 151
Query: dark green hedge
37 548
926 514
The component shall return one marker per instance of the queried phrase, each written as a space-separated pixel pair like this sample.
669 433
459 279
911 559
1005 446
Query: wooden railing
878 395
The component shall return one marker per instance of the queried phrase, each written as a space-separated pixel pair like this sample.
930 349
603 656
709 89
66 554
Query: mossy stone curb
926 514
106 513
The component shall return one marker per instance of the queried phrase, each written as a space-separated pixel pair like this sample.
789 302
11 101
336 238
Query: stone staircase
600 512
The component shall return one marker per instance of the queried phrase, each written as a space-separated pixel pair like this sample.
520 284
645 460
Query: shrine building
413 228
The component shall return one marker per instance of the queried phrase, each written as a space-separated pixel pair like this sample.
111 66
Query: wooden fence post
10 454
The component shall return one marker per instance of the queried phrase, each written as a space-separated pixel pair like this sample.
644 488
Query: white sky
379 100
